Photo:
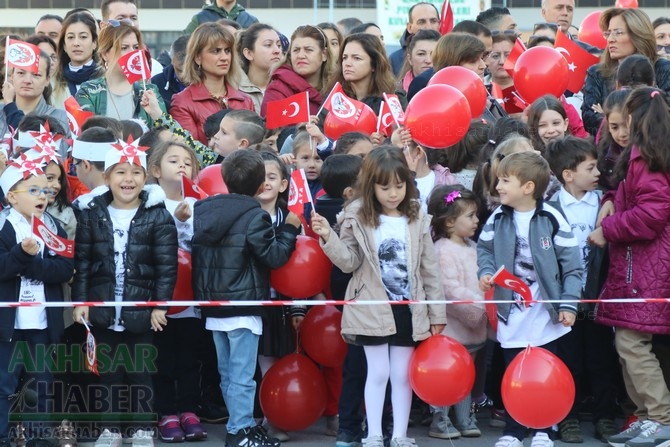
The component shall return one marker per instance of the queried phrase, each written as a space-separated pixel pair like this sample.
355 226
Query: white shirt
390 241
527 325
425 186
31 290
581 215
121 220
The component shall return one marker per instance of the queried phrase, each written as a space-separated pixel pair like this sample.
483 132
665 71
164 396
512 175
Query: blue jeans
30 339
236 353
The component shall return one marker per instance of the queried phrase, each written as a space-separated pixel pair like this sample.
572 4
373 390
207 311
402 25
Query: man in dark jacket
234 248
221 9
169 82
422 15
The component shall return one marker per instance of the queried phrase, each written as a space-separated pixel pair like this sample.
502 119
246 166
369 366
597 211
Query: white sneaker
142 438
541 439
508 441
108 439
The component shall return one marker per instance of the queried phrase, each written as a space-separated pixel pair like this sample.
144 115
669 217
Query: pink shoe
192 427
169 429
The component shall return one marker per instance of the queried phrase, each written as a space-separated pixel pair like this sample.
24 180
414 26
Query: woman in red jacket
212 73
308 67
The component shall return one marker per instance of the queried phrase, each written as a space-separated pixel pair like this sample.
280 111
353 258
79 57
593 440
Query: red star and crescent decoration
27 166
130 151
45 144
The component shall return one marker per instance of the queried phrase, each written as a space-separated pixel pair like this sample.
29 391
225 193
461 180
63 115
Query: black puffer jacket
51 269
151 259
234 248
597 88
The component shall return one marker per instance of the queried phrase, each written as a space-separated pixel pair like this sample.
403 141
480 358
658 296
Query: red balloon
320 336
625 4
467 82
537 388
590 32
211 181
438 116
306 273
334 127
293 393
182 289
441 371
540 71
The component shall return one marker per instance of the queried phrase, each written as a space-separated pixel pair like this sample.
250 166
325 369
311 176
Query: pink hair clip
654 93
451 197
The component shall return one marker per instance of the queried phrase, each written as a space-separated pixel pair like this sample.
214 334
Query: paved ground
313 437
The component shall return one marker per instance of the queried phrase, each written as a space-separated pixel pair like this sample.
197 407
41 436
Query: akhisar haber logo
50 241
342 106
21 54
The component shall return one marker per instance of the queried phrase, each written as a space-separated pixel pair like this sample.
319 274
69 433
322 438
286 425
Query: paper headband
84 150
126 153
20 169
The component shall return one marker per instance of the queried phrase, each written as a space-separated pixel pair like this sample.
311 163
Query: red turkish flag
190 189
446 18
284 112
60 245
509 98
22 55
135 67
298 193
345 109
328 102
579 60
91 357
517 50
76 116
505 279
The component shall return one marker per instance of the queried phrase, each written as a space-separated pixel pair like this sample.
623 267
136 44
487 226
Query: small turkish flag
22 55
91 356
579 60
284 112
135 67
298 193
60 245
76 116
517 50
505 279
190 189
328 102
446 18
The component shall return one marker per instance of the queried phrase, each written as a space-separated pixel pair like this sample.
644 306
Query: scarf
76 78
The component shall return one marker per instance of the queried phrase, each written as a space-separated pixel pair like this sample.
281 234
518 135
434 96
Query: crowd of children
405 225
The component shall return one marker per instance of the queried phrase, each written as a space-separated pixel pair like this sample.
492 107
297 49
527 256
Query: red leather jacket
192 106
638 234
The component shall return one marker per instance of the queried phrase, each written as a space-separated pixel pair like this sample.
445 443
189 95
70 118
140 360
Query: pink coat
466 323
638 234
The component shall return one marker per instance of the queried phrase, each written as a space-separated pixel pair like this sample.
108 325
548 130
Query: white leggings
386 361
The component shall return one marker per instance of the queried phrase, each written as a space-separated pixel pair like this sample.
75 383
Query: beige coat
355 252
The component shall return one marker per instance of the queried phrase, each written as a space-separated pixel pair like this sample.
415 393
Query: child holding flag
118 94
30 272
521 234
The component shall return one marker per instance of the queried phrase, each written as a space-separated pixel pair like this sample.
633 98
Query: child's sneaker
403 442
481 403
653 434
193 429
541 439
508 441
254 436
373 441
142 438
442 428
108 439
497 418
633 430
169 429
469 429
275 432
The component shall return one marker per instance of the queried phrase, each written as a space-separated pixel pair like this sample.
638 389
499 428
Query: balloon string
525 353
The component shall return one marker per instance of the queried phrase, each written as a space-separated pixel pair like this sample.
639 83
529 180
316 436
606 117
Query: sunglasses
116 23
508 32
545 25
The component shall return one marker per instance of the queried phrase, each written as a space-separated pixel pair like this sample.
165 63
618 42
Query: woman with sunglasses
77 56
307 69
212 72
112 95
627 31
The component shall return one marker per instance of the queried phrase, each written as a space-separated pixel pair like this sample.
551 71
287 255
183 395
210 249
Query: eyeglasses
616 34
506 32
53 57
35 191
545 25
114 23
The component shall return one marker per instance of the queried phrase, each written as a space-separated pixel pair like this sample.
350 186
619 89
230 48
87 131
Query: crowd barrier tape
307 302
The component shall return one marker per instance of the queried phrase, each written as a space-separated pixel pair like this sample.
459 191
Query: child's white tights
386 361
